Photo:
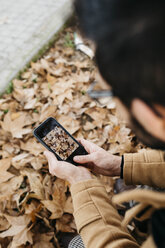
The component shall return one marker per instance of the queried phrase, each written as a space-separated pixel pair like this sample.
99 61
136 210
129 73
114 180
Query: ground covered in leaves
35 206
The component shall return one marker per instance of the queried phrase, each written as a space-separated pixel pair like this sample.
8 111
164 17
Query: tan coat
97 220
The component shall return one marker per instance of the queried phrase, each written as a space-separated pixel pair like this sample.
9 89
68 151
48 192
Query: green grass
35 111
5 111
69 41
10 88
83 92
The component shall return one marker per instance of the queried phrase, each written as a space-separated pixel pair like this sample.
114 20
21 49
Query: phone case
44 128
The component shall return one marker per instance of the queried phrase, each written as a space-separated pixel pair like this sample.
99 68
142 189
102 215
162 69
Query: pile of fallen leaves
35 206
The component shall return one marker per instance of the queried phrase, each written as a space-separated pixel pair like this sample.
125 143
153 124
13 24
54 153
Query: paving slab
25 27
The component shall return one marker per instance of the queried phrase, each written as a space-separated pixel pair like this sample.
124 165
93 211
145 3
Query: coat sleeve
97 221
145 168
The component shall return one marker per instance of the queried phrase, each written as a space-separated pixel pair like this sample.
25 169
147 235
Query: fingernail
75 158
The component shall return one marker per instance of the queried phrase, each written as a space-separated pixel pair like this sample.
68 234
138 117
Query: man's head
130 53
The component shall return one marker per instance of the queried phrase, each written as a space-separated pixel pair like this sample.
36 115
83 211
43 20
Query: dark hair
130 45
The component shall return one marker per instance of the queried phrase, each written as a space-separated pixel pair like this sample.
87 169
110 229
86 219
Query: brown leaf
38 162
89 126
62 223
51 79
18 224
4 224
4 166
16 127
35 181
32 146
22 238
43 240
18 229
21 160
8 188
68 208
54 207
56 85
47 111
69 123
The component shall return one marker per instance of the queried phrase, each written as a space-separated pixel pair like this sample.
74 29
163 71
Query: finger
80 141
89 146
52 160
84 144
50 155
83 159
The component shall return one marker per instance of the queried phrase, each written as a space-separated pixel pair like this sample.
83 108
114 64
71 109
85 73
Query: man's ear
160 109
152 123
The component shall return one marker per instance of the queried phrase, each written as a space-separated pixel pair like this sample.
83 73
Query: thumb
83 159
50 156
52 160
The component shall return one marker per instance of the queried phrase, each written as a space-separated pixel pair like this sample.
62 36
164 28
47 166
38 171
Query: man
129 37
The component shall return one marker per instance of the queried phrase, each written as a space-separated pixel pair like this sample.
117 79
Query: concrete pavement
25 27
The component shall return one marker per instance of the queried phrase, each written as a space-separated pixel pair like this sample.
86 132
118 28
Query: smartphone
58 140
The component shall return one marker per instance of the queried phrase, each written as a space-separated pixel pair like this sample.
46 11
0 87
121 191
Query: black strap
122 166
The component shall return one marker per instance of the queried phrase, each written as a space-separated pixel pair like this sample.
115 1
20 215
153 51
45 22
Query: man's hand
66 171
99 160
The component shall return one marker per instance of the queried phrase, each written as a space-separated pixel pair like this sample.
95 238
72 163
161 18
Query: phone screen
60 142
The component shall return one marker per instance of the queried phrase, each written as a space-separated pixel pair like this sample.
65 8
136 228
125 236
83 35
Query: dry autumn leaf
16 127
54 207
35 181
43 240
4 166
7 189
18 230
34 205
32 146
